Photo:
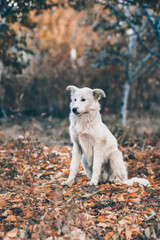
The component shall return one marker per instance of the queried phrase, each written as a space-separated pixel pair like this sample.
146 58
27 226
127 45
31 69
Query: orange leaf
2 202
134 200
11 218
30 228
66 160
130 231
109 235
133 194
156 154
102 190
139 156
112 217
84 183
56 148
67 192
70 183
46 149
13 233
135 184
65 150
34 155
101 219
66 173
121 198
129 234
28 212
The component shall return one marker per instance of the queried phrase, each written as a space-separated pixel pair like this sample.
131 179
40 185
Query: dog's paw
92 183
68 182
64 183
115 179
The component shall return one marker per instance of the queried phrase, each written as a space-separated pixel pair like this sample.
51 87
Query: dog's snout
74 110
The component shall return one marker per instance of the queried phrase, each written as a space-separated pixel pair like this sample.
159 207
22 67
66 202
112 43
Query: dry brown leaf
102 219
70 183
84 183
109 208
139 156
11 218
134 200
13 233
2 202
28 212
109 235
103 225
112 217
130 230
65 150
156 154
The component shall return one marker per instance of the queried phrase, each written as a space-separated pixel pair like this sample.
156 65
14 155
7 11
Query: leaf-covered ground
34 205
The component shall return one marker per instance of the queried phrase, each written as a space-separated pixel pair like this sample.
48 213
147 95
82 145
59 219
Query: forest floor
34 160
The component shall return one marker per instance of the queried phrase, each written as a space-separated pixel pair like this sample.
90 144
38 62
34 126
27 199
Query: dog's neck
85 119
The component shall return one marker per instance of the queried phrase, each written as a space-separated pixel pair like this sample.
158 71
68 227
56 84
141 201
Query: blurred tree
132 39
13 46
117 33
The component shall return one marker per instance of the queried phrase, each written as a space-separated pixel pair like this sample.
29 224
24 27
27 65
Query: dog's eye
75 99
83 99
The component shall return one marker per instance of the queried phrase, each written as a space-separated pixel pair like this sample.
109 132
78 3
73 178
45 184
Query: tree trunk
124 103
132 54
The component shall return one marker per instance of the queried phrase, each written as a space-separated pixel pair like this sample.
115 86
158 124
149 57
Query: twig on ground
151 216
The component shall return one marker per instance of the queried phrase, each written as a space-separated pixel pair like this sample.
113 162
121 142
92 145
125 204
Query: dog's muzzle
75 110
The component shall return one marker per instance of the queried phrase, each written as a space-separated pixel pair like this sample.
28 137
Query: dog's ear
71 88
98 93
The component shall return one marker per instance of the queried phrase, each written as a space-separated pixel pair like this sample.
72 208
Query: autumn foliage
34 205
100 40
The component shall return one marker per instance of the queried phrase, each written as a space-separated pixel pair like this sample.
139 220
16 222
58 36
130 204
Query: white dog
93 143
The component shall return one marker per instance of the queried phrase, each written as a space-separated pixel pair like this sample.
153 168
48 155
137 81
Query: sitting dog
93 143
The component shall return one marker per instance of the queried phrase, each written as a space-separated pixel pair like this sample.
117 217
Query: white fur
93 143
141 181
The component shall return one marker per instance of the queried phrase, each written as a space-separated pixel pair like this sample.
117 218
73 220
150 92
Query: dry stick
90 195
144 143
121 138
151 216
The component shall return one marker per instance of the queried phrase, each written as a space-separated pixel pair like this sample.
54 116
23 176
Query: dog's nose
74 110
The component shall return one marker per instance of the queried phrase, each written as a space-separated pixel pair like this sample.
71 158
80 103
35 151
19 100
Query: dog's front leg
75 162
97 165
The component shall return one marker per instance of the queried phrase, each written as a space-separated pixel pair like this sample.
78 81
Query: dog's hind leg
87 167
118 172
105 172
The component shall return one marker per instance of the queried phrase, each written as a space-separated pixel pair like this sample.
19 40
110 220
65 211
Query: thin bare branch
141 63
144 70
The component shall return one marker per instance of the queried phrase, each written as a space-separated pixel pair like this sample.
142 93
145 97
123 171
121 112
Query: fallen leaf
109 235
11 218
13 233
103 225
102 219
134 200
70 183
130 230
139 156
65 150
84 183
28 212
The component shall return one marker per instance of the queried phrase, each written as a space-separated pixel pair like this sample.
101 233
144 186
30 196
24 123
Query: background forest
46 45
113 45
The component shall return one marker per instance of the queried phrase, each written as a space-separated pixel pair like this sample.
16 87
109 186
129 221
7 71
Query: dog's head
84 100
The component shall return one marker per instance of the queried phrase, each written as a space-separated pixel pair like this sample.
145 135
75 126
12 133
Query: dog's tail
140 181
